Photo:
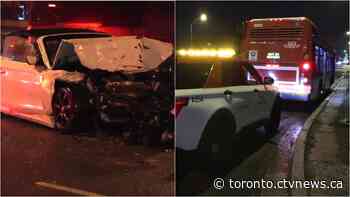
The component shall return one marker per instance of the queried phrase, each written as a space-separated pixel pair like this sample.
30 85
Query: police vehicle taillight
179 105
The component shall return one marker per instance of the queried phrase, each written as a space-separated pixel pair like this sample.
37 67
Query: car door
226 77
21 82
249 99
9 81
246 107
262 97
7 86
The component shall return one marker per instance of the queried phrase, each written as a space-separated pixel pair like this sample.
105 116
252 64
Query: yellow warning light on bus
221 53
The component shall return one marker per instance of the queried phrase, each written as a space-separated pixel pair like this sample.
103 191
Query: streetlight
348 33
202 18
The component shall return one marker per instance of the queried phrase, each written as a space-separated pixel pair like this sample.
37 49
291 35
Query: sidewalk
327 143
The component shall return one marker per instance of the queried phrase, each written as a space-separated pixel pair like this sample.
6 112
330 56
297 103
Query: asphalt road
256 157
36 160
40 161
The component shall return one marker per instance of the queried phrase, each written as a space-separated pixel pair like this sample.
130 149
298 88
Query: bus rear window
276 33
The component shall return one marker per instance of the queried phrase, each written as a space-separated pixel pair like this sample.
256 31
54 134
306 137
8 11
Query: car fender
48 84
191 121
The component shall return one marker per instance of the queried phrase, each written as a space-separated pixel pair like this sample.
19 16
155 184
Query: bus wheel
320 90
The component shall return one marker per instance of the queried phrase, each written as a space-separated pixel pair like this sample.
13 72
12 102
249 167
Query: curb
297 168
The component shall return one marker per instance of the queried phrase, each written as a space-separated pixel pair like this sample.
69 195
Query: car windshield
211 75
52 42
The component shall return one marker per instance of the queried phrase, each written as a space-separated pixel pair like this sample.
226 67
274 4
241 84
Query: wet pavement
105 165
327 144
70 163
256 157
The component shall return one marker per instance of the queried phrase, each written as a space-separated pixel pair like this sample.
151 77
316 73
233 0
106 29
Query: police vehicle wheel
272 125
216 145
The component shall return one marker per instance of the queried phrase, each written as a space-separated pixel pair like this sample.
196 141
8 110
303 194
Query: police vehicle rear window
213 75
192 75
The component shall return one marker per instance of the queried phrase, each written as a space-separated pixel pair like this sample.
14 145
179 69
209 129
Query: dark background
152 19
225 20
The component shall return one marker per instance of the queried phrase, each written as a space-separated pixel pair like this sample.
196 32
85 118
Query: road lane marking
66 189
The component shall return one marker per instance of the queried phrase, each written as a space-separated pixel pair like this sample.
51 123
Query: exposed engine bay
135 95
125 98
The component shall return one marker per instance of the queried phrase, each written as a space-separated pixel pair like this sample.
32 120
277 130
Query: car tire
130 137
152 137
271 127
64 107
216 146
184 161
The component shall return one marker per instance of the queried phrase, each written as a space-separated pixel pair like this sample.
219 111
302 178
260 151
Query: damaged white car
65 78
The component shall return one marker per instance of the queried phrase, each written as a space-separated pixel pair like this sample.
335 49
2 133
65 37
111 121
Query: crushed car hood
125 53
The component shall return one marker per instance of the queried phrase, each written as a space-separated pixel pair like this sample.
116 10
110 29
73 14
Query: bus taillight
305 80
306 66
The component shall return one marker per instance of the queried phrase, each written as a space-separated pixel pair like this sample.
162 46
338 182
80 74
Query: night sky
225 19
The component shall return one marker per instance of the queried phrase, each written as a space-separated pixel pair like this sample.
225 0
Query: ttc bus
291 52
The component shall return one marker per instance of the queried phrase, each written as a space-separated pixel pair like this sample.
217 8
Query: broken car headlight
90 85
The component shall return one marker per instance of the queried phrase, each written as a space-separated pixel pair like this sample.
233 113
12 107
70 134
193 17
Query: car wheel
152 137
273 123
216 145
64 108
130 137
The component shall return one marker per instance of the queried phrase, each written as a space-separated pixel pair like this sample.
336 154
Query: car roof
49 31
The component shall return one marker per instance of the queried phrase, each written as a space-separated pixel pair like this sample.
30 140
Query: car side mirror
32 59
268 80
31 54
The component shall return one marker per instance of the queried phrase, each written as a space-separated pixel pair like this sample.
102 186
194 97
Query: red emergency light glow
92 25
306 66
51 5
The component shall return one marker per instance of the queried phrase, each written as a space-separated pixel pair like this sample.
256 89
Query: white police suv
218 97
